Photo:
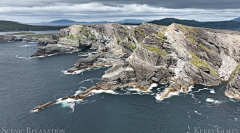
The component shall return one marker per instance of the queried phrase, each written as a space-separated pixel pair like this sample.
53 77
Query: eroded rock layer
149 53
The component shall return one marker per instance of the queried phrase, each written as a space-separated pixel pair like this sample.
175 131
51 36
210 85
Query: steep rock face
149 53
52 39
233 88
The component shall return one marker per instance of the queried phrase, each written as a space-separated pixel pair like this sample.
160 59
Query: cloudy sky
35 11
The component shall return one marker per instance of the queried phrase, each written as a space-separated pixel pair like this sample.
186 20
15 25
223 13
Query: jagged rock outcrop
233 88
7 38
52 39
41 39
149 53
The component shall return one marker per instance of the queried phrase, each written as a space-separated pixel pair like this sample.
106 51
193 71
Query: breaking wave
83 70
25 46
28 58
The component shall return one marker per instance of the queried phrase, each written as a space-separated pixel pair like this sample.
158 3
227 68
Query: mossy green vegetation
38 35
71 37
192 39
132 47
204 48
198 62
234 71
157 50
87 32
161 36
140 32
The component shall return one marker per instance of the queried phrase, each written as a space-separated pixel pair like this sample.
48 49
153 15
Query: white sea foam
34 111
28 58
87 54
77 92
152 86
212 91
211 100
104 91
190 88
32 42
70 103
26 46
83 70
176 93
91 79
197 112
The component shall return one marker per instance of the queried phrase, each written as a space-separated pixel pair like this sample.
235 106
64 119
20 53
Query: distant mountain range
71 22
58 24
15 26
214 24
233 24
236 19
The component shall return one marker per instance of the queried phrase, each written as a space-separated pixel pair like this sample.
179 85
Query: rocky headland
148 53
41 39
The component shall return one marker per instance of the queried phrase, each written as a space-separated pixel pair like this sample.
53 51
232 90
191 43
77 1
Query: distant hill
68 22
236 19
130 21
14 26
63 21
213 25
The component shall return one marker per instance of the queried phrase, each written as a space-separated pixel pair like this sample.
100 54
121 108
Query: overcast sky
35 11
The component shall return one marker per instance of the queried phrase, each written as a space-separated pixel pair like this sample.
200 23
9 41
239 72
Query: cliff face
149 53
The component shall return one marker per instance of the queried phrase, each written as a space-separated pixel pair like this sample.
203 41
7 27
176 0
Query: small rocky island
148 53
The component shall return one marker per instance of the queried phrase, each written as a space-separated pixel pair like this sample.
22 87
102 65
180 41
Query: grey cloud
176 4
106 10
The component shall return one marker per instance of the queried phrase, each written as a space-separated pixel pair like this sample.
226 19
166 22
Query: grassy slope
14 26
213 25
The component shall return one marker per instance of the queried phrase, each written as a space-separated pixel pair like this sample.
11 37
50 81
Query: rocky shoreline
148 53
43 39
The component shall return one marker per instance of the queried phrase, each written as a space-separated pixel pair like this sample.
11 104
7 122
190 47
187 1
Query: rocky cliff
42 39
149 53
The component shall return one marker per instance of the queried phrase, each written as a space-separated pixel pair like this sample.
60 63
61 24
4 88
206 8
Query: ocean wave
170 94
28 58
91 79
197 112
212 91
86 54
69 103
83 70
104 91
211 100
25 46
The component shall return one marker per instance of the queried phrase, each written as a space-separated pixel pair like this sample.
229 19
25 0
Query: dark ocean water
27 82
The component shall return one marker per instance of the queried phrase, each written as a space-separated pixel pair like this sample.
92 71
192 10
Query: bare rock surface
149 53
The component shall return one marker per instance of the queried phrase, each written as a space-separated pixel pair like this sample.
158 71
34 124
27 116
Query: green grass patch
140 32
132 47
192 39
38 35
198 62
87 32
71 37
204 48
234 71
157 50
